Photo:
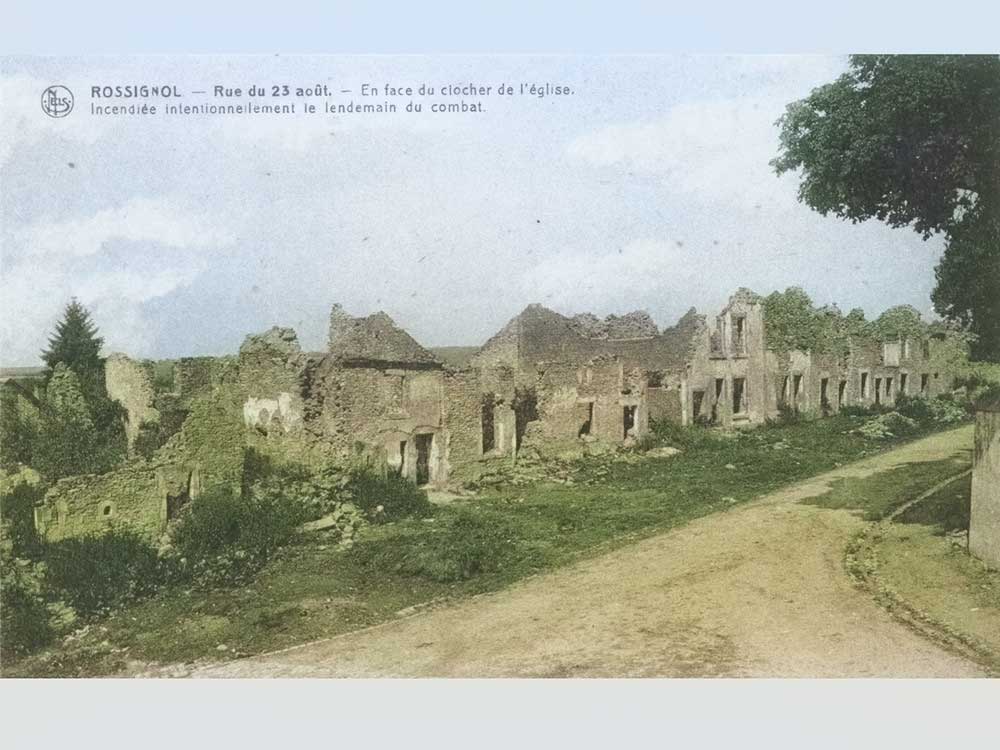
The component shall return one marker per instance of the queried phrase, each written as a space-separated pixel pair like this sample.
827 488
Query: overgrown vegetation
314 587
919 565
222 540
69 425
793 322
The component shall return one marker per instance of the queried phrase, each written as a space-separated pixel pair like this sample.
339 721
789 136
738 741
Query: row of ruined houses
546 381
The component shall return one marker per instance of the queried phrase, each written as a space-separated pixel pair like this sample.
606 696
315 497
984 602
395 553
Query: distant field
456 356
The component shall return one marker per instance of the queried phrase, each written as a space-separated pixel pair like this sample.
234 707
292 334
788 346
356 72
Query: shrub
679 436
862 410
939 410
887 426
24 617
467 544
17 510
98 573
223 539
787 415
386 496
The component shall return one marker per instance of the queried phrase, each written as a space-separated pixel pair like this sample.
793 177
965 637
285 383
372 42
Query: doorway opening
489 436
588 424
628 419
424 443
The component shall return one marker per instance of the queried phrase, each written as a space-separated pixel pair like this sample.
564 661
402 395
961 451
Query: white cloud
49 262
614 281
141 219
716 150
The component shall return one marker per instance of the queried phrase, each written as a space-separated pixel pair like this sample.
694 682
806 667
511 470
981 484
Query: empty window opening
525 407
864 385
720 386
903 382
824 395
739 395
783 397
925 383
107 508
925 348
588 424
878 390
654 379
841 393
486 418
424 444
740 335
697 399
888 387
628 419
402 459
175 503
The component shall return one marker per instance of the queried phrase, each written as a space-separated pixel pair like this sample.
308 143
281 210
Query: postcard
500 366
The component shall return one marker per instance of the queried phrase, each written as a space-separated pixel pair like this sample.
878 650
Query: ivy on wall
793 322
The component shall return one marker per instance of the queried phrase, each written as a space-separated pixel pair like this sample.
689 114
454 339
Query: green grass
312 590
874 497
930 570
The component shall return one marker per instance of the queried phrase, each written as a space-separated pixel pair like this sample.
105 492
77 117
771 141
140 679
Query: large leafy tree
912 141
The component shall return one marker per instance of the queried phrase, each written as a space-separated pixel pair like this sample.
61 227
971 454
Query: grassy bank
924 567
313 589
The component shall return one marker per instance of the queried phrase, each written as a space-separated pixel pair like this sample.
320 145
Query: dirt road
756 591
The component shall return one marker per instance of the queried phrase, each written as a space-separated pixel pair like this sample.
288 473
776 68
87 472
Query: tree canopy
912 141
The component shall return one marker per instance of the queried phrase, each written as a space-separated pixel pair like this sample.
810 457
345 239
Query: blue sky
647 188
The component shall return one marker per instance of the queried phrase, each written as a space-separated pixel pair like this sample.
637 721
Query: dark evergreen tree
76 344
90 437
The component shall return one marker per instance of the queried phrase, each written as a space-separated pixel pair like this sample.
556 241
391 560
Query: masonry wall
208 452
984 523
197 376
463 422
130 382
720 359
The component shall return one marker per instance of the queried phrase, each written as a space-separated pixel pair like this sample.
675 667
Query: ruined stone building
545 382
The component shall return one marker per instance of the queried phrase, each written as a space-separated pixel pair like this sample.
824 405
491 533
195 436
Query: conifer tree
76 344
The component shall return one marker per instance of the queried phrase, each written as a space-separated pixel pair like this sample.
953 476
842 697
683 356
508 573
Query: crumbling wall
272 376
207 452
665 397
90 504
131 384
197 376
589 401
462 420
634 325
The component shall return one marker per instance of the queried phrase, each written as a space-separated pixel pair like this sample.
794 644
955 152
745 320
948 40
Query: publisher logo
57 101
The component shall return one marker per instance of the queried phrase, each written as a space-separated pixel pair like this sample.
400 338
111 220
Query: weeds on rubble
95 574
314 589
670 433
224 540
467 543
